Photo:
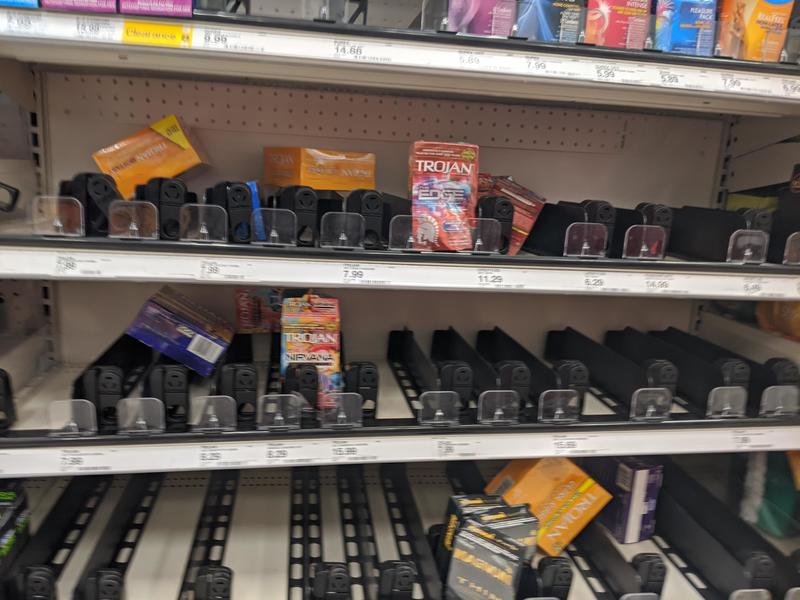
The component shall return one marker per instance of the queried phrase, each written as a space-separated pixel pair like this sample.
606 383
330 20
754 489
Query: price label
215 38
351 451
490 278
91 28
456 448
731 83
209 269
293 453
82 461
536 64
791 87
23 23
218 270
352 273
277 454
217 457
71 460
605 72
468 59
66 265
348 50
668 78
658 284
594 282
572 445
345 451
366 274
757 439
752 287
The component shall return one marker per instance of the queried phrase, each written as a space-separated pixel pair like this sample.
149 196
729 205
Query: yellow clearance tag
170 128
145 33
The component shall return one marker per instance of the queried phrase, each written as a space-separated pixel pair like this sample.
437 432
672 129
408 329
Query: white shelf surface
233 49
257 547
662 279
88 457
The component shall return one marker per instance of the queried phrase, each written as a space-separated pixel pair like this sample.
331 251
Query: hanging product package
444 193
686 26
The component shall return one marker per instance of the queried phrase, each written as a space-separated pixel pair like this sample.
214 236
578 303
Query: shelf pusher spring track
103 577
205 576
35 572
318 569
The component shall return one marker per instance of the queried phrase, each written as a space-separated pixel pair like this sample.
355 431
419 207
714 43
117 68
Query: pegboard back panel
92 315
562 153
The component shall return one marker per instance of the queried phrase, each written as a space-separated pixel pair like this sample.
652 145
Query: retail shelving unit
570 123
618 127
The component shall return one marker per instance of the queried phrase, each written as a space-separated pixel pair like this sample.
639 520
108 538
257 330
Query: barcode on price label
205 348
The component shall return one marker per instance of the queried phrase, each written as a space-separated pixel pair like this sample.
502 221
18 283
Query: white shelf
233 49
93 458
664 279
126 455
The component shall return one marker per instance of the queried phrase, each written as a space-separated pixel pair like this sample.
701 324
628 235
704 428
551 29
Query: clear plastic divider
440 409
727 403
409 233
133 220
586 240
212 414
72 418
342 410
403 236
498 407
559 406
645 242
57 216
486 236
274 227
140 416
780 401
650 404
748 246
791 253
280 412
203 223
341 231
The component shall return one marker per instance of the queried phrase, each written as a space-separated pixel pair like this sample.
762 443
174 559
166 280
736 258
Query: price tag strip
136 266
187 456
242 39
